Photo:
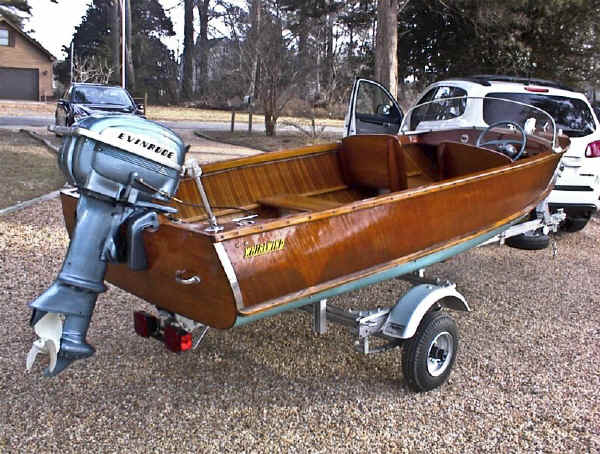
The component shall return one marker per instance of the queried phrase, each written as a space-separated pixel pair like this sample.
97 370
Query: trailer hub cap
440 353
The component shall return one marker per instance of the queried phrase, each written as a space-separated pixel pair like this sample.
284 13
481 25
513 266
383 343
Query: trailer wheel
574 224
428 357
530 241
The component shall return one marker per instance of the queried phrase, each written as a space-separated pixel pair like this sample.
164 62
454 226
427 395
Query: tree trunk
253 37
386 57
129 34
303 57
188 51
202 49
270 122
328 73
115 39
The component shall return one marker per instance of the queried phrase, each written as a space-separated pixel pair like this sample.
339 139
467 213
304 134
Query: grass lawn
173 113
259 141
193 114
28 169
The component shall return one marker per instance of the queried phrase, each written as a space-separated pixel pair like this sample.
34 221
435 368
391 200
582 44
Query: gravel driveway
527 378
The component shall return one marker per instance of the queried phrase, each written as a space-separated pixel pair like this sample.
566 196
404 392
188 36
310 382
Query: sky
54 24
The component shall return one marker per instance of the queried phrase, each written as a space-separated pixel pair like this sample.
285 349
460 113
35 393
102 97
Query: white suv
578 185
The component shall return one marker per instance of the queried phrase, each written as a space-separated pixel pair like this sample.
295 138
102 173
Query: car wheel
56 123
428 357
574 224
529 241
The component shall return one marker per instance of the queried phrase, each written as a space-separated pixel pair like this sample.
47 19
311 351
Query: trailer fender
407 313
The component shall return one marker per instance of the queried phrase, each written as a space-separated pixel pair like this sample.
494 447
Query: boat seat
424 158
456 159
298 202
373 161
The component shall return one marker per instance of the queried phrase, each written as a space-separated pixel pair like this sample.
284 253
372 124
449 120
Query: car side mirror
383 109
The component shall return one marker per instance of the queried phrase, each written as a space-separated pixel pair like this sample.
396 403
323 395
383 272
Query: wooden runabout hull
289 256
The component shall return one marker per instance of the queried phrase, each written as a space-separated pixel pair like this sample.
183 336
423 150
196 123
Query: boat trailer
542 222
416 322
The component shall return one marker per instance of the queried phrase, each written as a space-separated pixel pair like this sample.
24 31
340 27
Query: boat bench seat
373 161
298 202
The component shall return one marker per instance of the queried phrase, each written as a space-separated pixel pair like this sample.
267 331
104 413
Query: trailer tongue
119 164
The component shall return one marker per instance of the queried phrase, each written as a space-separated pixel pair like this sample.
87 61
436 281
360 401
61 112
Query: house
25 66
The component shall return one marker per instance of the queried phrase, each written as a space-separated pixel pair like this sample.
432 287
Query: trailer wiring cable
181 202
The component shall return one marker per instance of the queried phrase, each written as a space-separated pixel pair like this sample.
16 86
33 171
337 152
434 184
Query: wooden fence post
232 119
250 111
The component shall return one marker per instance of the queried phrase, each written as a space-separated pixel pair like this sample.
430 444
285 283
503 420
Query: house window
4 37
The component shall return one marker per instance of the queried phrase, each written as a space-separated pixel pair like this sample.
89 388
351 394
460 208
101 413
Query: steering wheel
505 146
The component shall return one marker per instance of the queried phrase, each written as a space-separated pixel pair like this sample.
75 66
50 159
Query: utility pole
123 37
72 48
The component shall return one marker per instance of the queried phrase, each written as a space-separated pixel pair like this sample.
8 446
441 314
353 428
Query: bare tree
91 69
279 76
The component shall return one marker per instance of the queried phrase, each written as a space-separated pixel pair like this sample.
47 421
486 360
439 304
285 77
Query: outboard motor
121 165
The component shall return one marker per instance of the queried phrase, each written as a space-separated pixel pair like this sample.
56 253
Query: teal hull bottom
399 270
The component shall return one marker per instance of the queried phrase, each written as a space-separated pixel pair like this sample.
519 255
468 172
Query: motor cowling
120 165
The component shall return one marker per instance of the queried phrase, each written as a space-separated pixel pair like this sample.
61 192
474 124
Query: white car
444 105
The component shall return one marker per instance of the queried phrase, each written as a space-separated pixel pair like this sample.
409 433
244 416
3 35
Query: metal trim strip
231 276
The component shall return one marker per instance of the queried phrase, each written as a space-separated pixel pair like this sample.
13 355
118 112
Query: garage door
19 84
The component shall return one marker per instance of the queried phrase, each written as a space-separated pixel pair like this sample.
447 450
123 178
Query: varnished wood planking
332 246
268 157
239 187
172 248
546 159
298 202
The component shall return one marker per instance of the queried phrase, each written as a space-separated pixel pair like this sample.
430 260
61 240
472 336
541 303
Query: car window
101 95
428 96
571 115
442 110
373 101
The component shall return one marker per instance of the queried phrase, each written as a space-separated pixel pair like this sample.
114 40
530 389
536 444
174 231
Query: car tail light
176 339
537 89
145 324
593 150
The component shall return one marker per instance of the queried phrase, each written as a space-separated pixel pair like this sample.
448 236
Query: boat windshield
469 112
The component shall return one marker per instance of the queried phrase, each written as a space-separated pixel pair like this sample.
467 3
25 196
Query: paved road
43 121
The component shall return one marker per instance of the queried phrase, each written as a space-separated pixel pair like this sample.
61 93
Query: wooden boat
330 218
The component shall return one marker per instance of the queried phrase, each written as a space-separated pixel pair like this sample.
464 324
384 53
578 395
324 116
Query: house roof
35 43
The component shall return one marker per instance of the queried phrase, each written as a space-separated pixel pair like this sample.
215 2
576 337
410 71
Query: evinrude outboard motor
120 164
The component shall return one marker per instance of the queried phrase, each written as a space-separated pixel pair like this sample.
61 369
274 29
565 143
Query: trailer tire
428 357
572 224
530 241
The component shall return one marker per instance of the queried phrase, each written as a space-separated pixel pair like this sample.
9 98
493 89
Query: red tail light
593 150
145 324
176 339
537 89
